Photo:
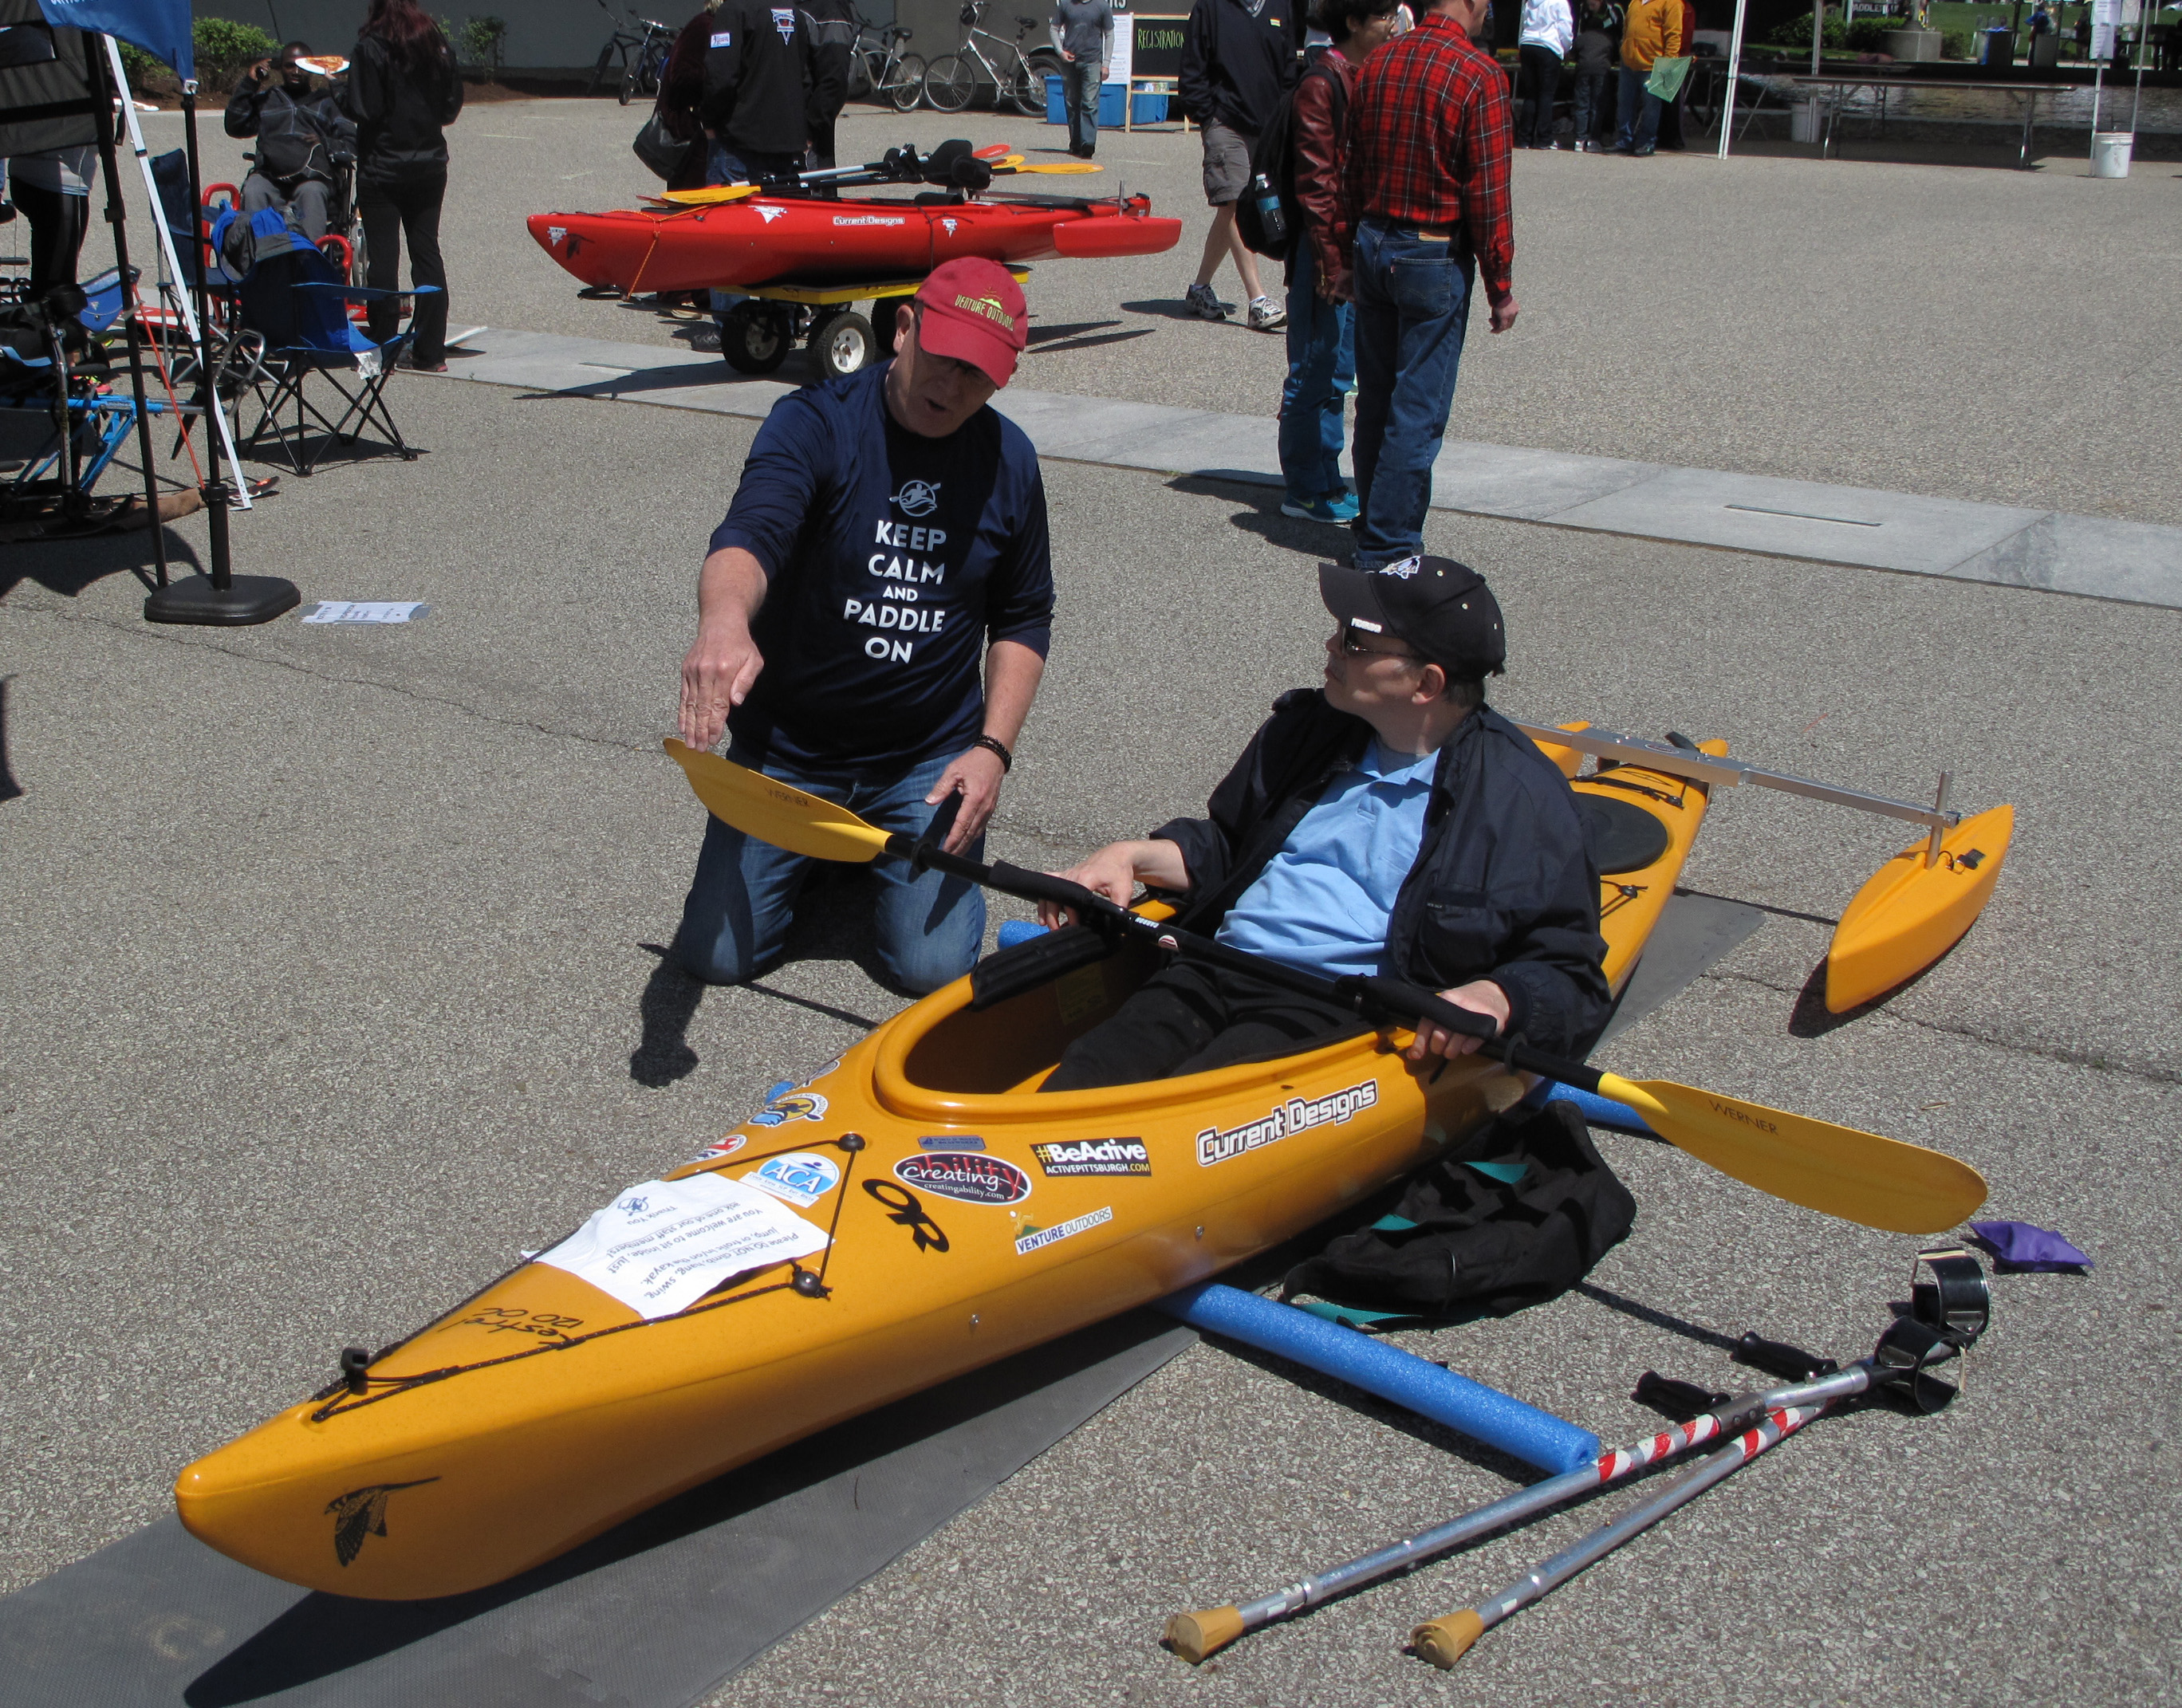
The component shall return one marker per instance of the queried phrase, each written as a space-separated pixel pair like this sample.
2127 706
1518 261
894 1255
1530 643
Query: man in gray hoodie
1084 29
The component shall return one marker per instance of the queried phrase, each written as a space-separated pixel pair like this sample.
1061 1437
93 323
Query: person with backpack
1238 63
403 93
1321 330
300 133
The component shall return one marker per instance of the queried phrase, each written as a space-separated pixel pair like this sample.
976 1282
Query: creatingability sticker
968 1177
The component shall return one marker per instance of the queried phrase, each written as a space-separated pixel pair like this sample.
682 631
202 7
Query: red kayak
767 240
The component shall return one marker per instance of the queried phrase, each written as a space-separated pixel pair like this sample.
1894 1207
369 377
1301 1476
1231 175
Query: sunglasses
1355 642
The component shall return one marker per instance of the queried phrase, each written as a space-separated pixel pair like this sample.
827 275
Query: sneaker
1640 153
1204 304
1265 314
1339 510
1553 147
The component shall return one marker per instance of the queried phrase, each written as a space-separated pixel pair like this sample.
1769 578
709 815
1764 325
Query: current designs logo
969 1177
1037 1238
917 497
1297 1115
867 219
1095 1157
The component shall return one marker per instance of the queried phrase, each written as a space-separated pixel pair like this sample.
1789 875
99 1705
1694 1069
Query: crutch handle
1446 1640
1195 1635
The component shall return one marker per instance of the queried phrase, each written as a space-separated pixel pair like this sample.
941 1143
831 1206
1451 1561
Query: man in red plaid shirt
1427 190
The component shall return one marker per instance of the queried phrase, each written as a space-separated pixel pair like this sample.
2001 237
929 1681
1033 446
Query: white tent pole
1734 79
174 265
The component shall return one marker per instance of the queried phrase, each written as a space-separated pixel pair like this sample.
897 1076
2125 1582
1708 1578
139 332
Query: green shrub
480 43
1959 44
139 67
226 49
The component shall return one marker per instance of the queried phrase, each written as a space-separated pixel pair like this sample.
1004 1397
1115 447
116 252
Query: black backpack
1520 1220
1273 155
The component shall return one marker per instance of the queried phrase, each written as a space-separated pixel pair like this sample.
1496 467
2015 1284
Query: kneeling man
1389 823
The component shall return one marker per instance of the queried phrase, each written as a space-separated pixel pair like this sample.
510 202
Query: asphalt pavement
333 976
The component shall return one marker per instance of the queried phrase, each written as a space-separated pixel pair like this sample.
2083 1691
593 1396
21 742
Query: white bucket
1804 122
2110 153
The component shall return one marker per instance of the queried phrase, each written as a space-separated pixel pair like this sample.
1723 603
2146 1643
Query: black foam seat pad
1618 835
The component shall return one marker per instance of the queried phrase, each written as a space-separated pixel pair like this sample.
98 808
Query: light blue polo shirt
1323 901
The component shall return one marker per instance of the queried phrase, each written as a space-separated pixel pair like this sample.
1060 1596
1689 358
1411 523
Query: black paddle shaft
1374 997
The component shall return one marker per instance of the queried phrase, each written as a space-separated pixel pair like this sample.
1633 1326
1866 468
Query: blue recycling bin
1145 107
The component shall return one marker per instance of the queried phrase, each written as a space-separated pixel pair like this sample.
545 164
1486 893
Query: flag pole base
245 600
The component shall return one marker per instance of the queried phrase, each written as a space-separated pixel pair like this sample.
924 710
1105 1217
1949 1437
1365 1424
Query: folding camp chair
293 299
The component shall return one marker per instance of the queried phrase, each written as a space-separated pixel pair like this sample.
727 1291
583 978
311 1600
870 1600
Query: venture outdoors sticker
967 1176
1297 1115
1095 1157
1037 1238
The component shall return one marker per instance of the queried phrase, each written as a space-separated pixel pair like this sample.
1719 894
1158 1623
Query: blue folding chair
88 426
294 299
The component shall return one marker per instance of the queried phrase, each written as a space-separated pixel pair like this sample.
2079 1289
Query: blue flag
160 27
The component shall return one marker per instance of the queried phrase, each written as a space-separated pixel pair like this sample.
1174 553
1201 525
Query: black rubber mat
653 1615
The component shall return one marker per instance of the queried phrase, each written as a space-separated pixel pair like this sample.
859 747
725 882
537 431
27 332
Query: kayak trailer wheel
755 337
843 343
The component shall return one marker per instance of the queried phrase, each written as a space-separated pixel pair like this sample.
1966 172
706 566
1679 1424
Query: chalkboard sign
1158 45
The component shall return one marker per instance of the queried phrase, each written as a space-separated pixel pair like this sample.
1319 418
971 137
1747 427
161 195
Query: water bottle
1272 218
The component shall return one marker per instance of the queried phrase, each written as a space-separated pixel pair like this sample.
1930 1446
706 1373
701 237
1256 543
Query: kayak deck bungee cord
912 1212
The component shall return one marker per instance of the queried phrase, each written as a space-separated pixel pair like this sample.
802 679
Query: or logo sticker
1297 1115
903 1208
952 1141
362 1512
1404 570
968 1176
801 1177
1095 1157
793 1105
917 497
1037 1238
724 1147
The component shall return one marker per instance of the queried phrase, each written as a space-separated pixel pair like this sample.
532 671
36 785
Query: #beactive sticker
802 1178
1037 1238
969 1177
1285 1120
1094 1157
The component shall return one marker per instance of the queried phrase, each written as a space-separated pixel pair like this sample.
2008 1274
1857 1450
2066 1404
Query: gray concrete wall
543 35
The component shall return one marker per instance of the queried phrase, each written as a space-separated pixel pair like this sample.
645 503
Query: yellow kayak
912 1212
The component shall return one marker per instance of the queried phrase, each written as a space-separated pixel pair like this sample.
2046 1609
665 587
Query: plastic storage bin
1148 105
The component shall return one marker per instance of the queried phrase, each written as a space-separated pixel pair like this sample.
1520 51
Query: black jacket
48 105
1236 68
296 138
831 26
758 76
400 115
1503 887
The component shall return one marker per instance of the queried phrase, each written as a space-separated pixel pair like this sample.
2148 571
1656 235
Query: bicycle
891 77
953 81
643 57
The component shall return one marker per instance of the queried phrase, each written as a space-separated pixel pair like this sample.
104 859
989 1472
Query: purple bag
2020 1247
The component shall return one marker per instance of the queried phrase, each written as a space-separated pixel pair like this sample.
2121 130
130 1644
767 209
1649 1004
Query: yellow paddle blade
774 811
1838 1171
707 194
1051 169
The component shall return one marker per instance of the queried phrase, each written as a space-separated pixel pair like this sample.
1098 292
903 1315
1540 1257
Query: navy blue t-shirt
891 559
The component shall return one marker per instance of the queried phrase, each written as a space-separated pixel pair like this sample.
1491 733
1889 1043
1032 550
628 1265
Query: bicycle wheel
903 88
951 84
599 70
1025 91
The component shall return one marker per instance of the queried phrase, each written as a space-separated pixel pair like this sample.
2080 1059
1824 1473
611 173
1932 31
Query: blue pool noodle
1597 1111
1014 931
1482 1413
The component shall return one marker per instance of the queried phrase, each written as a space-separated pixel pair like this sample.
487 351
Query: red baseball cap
974 313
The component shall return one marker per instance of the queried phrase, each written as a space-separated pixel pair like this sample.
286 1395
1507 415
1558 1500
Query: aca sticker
801 1177
967 1176
1095 1157
793 1106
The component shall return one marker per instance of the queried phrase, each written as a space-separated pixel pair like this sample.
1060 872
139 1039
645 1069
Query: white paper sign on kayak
660 1247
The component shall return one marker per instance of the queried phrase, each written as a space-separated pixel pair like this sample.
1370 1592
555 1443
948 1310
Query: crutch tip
1446 1640
1195 1635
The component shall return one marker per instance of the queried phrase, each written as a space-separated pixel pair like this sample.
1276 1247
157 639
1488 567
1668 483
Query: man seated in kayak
1390 822
888 539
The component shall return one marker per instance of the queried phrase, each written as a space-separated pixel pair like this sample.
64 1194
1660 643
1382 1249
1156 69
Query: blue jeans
1630 131
1412 311
1590 105
727 165
1079 95
1321 373
928 927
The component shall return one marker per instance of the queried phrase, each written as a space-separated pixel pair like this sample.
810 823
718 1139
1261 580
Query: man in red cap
888 537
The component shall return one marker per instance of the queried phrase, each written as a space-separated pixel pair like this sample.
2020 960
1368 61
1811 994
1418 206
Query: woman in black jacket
403 92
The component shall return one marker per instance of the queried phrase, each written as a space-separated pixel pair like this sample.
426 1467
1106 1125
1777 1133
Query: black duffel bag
1520 1219
659 148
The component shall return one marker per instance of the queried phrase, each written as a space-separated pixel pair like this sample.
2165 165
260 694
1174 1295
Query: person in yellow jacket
1653 31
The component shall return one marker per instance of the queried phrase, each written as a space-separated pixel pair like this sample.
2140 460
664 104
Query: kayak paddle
1836 1170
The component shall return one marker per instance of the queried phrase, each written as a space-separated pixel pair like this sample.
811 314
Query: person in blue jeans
1321 323
1084 29
887 539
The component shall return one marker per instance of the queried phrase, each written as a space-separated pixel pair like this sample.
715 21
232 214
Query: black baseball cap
1442 608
